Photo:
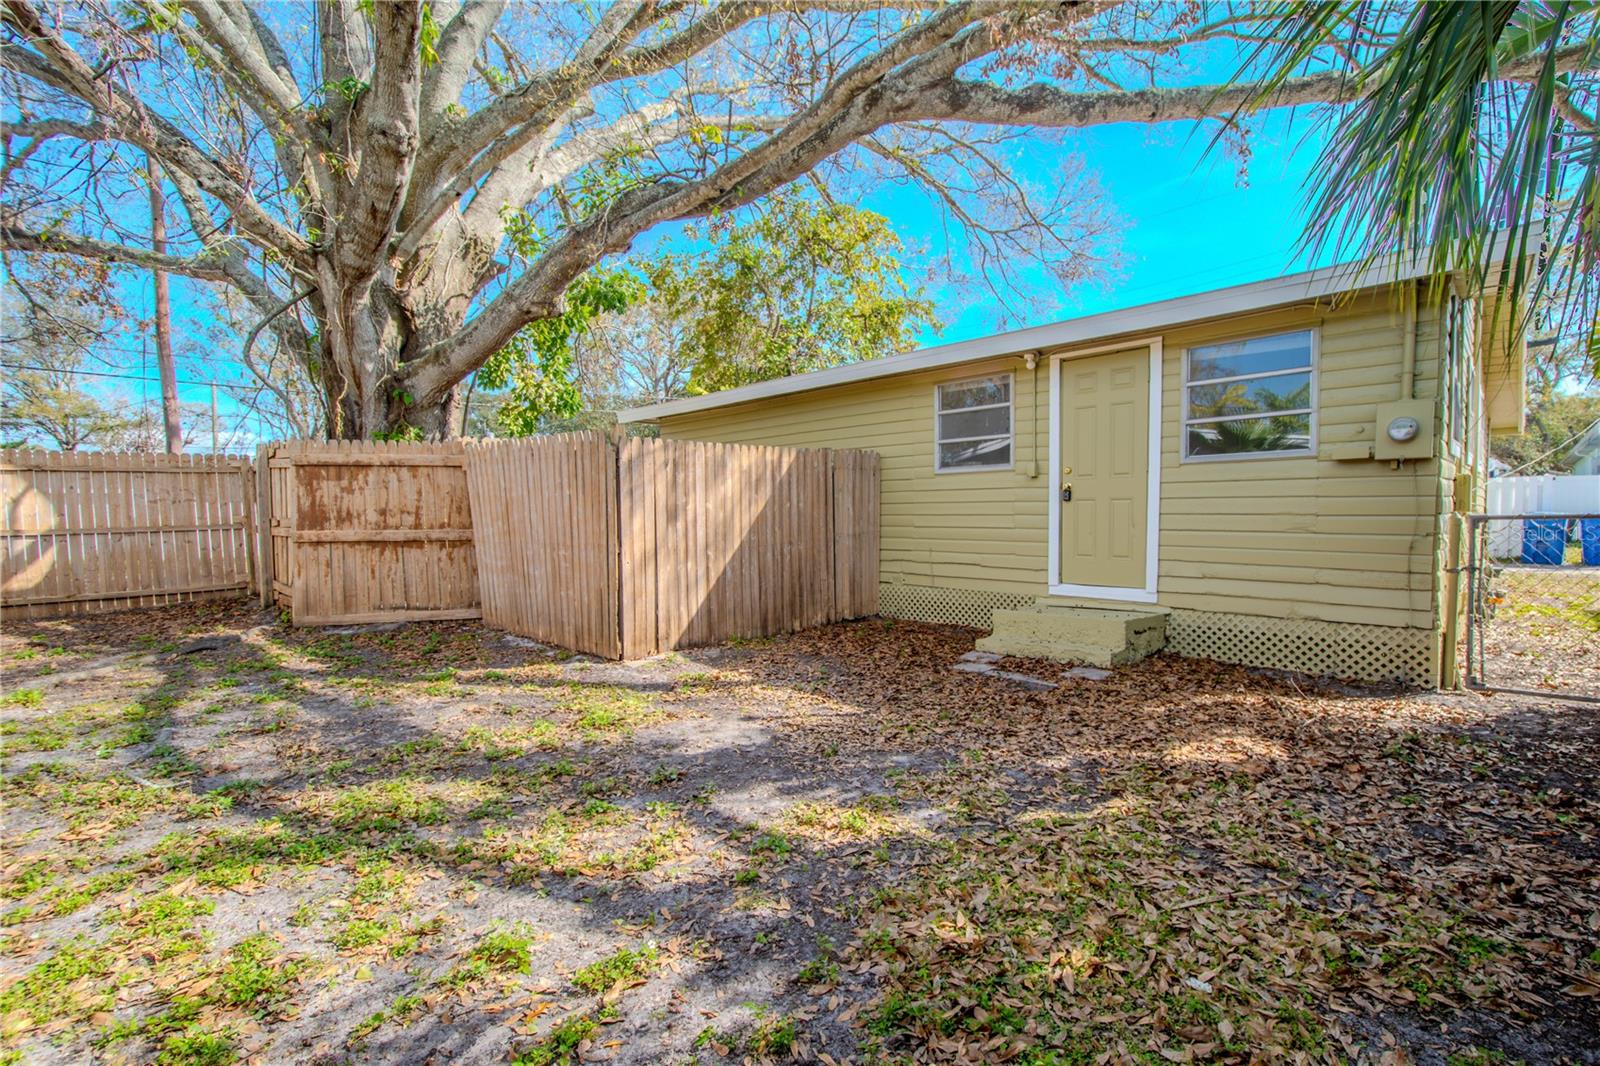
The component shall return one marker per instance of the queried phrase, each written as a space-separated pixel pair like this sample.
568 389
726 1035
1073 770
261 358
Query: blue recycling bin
1589 537
1544 541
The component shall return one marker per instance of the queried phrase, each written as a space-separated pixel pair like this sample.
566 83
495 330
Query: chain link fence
1533 604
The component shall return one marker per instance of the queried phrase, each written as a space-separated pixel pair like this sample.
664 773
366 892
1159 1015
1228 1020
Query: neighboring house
1281 523
1584 458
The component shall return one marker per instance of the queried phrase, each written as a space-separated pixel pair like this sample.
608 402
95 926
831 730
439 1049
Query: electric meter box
1404 430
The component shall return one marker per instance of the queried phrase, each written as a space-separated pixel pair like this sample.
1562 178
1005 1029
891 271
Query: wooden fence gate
367 532
86 532
630 550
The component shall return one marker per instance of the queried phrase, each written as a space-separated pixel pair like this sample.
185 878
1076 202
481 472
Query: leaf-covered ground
226 840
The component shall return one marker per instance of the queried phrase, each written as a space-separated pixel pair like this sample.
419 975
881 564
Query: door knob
1066 493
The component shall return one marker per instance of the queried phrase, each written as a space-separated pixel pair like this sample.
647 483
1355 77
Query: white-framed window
1251 399
972 424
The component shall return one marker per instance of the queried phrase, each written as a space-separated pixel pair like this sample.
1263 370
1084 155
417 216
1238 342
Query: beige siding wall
980 530
1312 538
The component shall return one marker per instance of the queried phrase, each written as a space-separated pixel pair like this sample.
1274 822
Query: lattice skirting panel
1332 649
954 607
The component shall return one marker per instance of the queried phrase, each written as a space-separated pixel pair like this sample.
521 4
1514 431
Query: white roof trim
1142 319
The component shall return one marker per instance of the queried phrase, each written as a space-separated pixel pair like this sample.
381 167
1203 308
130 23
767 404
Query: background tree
1552 423
147 430
50 407
801 286
49 323
798 283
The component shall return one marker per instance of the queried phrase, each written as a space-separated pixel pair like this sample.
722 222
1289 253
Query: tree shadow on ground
834 827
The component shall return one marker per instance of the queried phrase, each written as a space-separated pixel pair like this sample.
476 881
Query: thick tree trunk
365 342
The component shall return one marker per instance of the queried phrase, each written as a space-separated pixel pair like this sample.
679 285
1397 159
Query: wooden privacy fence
101 531
732 540
630 550
620 549
544 511
367 531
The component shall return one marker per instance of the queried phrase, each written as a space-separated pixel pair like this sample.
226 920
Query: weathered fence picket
632 548
616 548
86 532
371 531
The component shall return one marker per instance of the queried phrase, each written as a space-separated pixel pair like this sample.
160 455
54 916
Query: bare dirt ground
226 840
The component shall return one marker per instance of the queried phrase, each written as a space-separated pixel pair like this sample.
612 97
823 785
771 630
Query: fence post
247 493
1474 598
263 496
1449 667
611 482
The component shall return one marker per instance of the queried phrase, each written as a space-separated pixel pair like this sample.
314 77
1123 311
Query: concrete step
1100 636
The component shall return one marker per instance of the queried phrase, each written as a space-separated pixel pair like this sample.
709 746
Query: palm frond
1468 140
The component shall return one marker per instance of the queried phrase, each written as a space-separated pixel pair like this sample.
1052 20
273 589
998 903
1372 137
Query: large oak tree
398 188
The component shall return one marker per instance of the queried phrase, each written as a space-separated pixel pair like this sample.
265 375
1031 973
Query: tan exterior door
1105 459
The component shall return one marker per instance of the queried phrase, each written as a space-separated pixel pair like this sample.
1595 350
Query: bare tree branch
18 239
57 65
458 44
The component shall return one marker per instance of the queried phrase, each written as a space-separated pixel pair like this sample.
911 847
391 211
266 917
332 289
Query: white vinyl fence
1539 494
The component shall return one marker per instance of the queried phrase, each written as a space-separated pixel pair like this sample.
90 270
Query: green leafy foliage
429 37
537 365
1468 122
798 285
801 285
626 967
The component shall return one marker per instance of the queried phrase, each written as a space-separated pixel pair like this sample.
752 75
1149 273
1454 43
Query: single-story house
1262 474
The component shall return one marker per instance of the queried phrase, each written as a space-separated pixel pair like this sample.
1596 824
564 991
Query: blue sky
1191 222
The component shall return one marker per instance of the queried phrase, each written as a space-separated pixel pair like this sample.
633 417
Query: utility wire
1557 448
129 377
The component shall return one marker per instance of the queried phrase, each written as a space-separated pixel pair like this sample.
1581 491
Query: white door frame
1147 594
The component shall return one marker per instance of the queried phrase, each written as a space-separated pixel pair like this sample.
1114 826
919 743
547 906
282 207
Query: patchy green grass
606 710
256 977
773 1036
1565 598
402 1011
504 950
628 966
560 1046
198 1047
1182 863
507 950
82 800
870 818
74 982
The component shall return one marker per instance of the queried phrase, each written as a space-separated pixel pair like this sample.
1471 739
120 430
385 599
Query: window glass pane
1250 396
1280 433
975 453
974 393
988 422
1258 356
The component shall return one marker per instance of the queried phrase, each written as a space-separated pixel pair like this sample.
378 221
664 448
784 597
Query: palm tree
1465 121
